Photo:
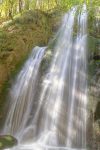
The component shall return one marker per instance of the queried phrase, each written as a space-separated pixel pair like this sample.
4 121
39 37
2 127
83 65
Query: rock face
93 129
7 141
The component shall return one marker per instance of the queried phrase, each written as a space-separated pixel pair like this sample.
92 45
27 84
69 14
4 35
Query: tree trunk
20 5
27 4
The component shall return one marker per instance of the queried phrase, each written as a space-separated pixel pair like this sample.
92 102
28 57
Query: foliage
10 8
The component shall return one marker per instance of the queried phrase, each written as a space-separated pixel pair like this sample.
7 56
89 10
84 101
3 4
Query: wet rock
97 112
96 57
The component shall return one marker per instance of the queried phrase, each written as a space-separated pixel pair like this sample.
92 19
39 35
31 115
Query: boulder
7 141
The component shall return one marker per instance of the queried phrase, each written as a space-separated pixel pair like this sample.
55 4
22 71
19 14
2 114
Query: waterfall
22 94
77 118
59 120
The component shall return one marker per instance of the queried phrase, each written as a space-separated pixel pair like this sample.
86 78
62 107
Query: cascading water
22 94
77 118
59 120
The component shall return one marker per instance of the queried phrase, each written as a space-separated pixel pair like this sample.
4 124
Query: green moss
7 141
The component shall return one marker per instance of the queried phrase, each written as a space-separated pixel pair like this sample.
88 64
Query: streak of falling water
59 121
22 94
51 98
79 86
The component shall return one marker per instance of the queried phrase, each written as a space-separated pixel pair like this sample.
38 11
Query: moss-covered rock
7 141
